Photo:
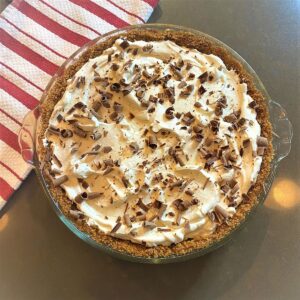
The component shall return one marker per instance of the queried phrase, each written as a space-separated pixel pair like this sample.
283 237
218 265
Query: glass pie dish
28 141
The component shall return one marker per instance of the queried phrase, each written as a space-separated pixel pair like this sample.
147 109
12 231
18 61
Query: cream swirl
155 142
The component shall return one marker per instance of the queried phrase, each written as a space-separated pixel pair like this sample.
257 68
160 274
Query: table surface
42 259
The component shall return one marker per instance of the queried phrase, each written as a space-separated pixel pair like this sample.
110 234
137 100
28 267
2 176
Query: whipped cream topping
155 143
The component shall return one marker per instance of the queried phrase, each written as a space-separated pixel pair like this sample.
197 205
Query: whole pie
155 143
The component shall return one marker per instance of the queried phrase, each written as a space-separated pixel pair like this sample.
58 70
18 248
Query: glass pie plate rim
281 143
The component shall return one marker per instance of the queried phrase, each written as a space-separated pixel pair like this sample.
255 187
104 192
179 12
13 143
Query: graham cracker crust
189 40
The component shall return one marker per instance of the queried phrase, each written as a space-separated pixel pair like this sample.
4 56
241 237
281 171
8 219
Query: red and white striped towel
35 39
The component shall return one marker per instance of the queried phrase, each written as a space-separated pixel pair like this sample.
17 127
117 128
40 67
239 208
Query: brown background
41 259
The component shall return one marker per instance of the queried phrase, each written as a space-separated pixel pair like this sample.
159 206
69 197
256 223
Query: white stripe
24 67
117 12
13 159
9 177
58 18
30 43
9 123
39 32
12 106
82 15
2 202
137 7
20 82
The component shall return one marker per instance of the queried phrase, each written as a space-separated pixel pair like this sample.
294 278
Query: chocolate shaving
188 66
180 204
96 115
115 67
59 118
146 74
124 44
96 136
140 92
80 81
134 147
189 192
125 181
115 87
81 197
127 220
147 48
163 229
182 84
176 72
149 224
94 195
79 105
197 129
108 162
262 141
161 210
141 204
191 76
187 91
177 183
108 170
252 104
79 132
76 214
96 105
106 149
219 209
135 51
260 151
205 183
66 133
188 118
246 143
126 90
203 77
56 160
201 90
116 227
245 198
152 142
169 113
53 130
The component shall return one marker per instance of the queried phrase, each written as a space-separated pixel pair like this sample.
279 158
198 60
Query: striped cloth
35 39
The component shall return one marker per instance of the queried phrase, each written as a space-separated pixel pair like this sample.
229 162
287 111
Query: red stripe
10 170
9 137
18 93
20 75
101 12
9 116
153 3
124 10
51 25
67 17
33 38
5 189
28 54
